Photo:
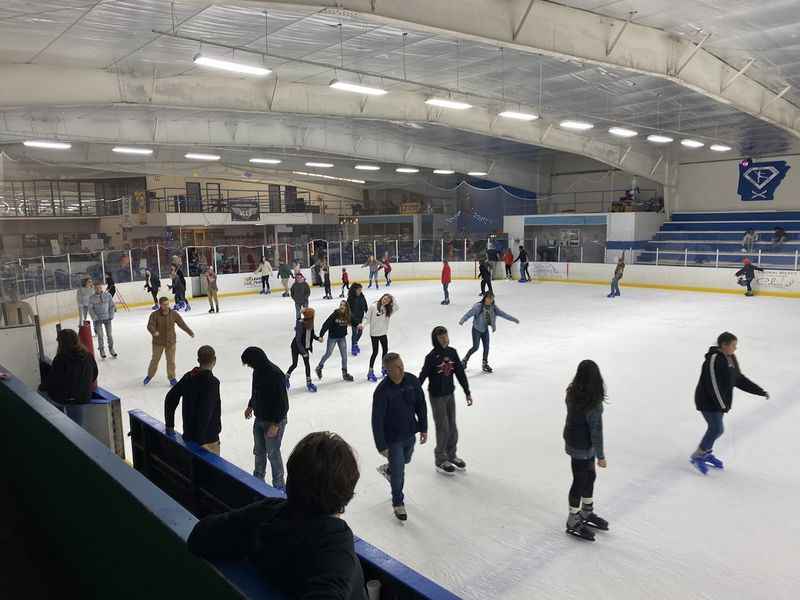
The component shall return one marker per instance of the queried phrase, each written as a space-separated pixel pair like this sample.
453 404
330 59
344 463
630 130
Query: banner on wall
244 209
758 181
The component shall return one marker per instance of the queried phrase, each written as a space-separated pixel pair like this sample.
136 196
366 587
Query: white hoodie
264 269
379 323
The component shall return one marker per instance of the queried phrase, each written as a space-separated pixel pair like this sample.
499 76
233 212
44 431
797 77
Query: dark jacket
201 407
152 283
522 257
749 271
440 365
71 378
300 292
398 411
718 376
284 271
304 556
304 338
336 324
358 308
583 433
268 398
484 272
111 288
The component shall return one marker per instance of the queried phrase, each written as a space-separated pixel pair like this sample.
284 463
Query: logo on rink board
780 280
549 271
758 181
252 281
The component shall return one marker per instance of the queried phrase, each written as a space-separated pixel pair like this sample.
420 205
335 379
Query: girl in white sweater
378 316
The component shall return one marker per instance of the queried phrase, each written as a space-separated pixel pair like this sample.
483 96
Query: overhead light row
655 138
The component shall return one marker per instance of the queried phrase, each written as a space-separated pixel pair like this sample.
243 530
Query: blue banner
758 181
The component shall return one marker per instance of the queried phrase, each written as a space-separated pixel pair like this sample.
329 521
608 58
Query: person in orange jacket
508 259
446 278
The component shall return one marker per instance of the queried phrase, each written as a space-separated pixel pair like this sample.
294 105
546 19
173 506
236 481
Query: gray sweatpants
98 327
444 416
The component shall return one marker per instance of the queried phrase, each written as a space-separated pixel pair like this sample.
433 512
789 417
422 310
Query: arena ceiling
106 72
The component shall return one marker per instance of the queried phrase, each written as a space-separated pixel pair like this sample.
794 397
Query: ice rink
497 531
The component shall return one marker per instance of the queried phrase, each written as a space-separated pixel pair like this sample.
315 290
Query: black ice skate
446 468
459 464
487 368
592 520
400 512
577 528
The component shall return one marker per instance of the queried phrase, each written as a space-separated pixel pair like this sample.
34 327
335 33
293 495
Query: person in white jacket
378 317
84 293
264 270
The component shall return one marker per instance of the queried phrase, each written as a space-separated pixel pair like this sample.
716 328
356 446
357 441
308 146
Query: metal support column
419 250
103 264
238 260
465 249
656 255
214 260
535 248
581 253
685 257
759 257
716 263
69 271
442 249
354 252
186 253
397 251
130 262
558 254
375 249
44 275
158 262
630 255
796 255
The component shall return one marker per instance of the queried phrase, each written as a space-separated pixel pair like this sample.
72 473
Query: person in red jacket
387 269
345 282
446 278
508 259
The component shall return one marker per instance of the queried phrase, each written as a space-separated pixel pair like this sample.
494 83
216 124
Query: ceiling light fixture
519 116
576 125
319 165
197 156
126 150
443 172
445 103
368 167
407 170
719 148
329 177
692 143
623 132
477 173
48 145
344 86
266 161
233 67
659 139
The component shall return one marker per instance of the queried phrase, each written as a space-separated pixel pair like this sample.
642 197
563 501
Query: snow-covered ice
497 531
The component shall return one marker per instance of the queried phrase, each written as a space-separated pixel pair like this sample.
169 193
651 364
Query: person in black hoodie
299 545
746 275
270 404
440 365
358 308
486 277
72 376
713 396
398 413
303 345
522 257
202 406
336 325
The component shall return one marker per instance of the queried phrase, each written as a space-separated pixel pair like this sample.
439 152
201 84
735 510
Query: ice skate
593 520
458 464
371 376
103 354
446 468
310 386
146 380
577 528
346 376
486 368
713 461
699 464
400 512
384 372
210 310
173 382
113 354
318 371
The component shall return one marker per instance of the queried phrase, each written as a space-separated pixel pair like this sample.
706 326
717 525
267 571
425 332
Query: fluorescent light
48 145
445 103
329 177
622 132
196 156
477 173
225 65
406 170
319 165
659 139
266 161
519 116
719 147
125 150
368 167
355 88
443 172
576 125
692 143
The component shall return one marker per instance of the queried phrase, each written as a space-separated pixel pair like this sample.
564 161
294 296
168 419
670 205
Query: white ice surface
497 531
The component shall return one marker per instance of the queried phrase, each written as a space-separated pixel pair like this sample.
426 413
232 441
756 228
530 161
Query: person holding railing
522 257
779 238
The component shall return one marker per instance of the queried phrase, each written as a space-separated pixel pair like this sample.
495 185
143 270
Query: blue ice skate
311 387
371 376
699 464
713 461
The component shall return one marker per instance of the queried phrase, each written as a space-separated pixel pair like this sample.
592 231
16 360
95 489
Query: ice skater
325 269
336 327
270 405
284 274
398 414
152 284
522 257
378 317
374 267
358 310
508 260
713 396
300 293
82 298
264 271
618 271
484 315
111 287
746 275
345 283
161 326
302 345
486 277
387 269
102 310
440 365
213 290
583 442
447 277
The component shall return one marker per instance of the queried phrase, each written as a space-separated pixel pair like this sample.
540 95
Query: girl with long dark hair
484 315
583 439
72 377
336 326
358 308
379 315
302 345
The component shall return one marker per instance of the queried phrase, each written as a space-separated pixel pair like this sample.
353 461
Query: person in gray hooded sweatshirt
483 316
102 309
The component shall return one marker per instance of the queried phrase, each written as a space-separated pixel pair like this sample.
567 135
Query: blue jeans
446 292
373 276
477 338
615 286
714 430
357 333
332 343
399 456
266 448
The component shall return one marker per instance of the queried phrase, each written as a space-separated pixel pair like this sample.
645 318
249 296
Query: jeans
444 417
477 338
713 431
332 342
384 342
357 333
373 275
446 292
615 286
98 327
399 456
298 308
583 476
266 448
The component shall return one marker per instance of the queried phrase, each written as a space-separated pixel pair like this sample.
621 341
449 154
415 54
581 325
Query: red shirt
508 258
446 273
345 277
387 268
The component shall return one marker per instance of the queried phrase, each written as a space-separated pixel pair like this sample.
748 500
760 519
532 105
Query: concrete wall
711 186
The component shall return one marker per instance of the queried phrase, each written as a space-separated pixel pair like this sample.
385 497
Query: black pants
327 287
154 294
295 354
583 476
345 287
486 283
265 283
523 267
508 271
747 283
384 341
